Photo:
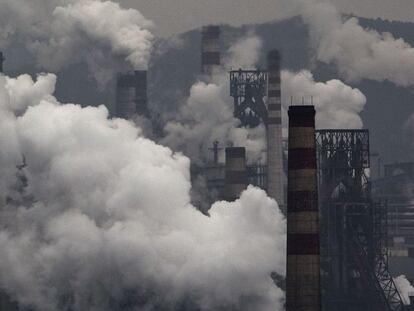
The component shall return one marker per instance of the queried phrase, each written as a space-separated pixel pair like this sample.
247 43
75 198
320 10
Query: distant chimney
131 94
303 259
236 174
1 62
276 175
210 50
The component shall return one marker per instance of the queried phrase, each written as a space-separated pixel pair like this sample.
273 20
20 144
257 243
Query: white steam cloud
100 33
405 288
109 225
358 53
337 104
207 115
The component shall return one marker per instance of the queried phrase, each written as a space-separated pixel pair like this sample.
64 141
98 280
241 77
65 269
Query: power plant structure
354 262
131 94
210 50
337 255
303 291
249 88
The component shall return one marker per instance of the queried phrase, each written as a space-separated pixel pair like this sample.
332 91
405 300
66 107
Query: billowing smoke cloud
358 53
207 115
405 288
100 33
110 226
244 53
337 104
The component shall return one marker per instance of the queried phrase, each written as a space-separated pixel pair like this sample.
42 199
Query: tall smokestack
303 260
236 175
131 94
276 176
1 62
210 50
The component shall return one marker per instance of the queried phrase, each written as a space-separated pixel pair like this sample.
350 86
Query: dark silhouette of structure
210 50
353 229
131 94
303 261
1 62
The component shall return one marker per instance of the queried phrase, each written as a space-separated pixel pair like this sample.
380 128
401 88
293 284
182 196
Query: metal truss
248 88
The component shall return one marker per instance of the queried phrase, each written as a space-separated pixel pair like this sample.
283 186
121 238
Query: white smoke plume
110 226
405 288
207 115
337 105
100 33
357 52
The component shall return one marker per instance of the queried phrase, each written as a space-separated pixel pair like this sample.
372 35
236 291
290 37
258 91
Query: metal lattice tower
354 259
248 88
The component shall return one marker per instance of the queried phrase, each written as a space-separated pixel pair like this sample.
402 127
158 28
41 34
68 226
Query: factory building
131 94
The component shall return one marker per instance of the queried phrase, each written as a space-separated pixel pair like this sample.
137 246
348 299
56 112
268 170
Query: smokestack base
236 174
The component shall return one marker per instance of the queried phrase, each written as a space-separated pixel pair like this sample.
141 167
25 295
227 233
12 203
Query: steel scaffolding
248 88
354 258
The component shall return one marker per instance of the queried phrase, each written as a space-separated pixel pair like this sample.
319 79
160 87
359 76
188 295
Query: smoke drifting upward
358 53
207 115
405 288
337 104
101 33
110 226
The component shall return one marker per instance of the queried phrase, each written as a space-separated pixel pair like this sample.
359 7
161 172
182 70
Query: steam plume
102 33
337 104
357 52
207 115
110 226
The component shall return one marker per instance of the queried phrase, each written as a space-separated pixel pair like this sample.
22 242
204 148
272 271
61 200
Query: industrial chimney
131 94
303 260
1 62
235 173
276 176
210 50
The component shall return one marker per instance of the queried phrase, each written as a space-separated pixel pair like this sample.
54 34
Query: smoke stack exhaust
236 175
276 176
210 50
303 256
131 94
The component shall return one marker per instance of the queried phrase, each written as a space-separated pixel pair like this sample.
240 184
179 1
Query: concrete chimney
131 94
1 62
275 176
236 175
303 259
210 50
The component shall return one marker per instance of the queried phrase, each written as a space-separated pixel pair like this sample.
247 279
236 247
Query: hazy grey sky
174 16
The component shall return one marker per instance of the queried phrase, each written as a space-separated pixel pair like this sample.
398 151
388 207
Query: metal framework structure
354 258
248 88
